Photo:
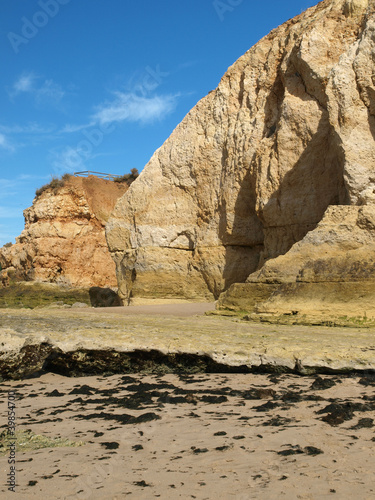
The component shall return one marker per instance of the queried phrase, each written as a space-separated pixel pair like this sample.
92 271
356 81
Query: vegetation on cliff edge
58 182
129 178
55 184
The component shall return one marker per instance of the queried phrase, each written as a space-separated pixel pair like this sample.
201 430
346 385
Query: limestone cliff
255 165
63 240
330 272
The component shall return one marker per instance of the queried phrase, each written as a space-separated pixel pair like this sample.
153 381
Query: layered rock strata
74 342
255 165
64 240
332 269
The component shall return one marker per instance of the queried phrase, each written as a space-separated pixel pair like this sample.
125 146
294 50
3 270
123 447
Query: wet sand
204 436
182 309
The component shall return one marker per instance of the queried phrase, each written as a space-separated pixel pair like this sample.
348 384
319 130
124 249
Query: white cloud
49 91
68 160
12 187
41 90
4 143
69 128
16 137
5 238
74 159
6 182
28 177
31 128
133 108
8 187
24 83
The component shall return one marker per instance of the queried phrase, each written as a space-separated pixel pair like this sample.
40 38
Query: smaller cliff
63 241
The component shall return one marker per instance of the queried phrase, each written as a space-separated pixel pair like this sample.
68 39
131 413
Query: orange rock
63 240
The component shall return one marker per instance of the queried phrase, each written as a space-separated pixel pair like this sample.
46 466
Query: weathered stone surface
89 341
63 240
21 356
331 270
254 166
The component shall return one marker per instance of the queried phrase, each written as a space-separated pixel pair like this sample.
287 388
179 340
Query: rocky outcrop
80 342
252 169
63 240
330 271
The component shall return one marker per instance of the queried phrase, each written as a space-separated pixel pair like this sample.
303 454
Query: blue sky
100 84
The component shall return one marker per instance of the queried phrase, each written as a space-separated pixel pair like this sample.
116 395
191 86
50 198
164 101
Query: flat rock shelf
91 342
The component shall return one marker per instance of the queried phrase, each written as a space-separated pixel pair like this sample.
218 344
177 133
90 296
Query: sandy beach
173 308
188 435
203 436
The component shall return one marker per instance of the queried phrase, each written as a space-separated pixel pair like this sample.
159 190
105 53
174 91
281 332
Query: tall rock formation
256 164
64 240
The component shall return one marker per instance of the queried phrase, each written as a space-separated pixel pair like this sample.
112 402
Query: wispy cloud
30 128
28 177
5 144
25 83
6 237
71 128
49 91
8 187
134 108
42 90
73 159
127 106
13 185
68 159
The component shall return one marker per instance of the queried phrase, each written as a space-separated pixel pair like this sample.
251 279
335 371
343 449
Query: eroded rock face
253 167
63 240
330 271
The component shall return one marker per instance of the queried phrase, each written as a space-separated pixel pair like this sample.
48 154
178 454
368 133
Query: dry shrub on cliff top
55 184
129 178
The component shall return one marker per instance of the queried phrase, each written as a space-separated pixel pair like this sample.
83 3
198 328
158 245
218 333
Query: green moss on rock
31 295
